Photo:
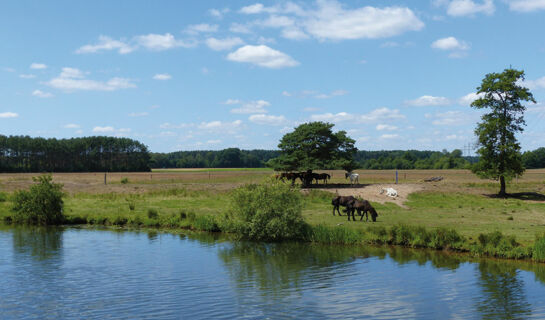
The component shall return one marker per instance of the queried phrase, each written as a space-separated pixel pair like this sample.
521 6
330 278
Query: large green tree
313 146
502 96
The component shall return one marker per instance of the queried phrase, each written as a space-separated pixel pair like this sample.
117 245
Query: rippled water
100 274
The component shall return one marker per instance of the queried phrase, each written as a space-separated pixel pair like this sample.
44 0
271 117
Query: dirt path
372 192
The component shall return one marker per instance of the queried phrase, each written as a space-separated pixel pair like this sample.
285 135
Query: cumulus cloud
217 13
38 66
389 136
72 79
450 43
162 76
534 84
469 98
103 129
335 93
5 115
458 8
71 126
330 20
268 119
223 44
425 101
42 94
27 76
106 43
138 114
385 127
452 118
220 126
249 107
202 28
377 115
526 5
152 41
262 56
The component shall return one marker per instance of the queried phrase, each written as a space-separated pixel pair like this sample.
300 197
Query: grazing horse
354 177
363 207
321 176
341 201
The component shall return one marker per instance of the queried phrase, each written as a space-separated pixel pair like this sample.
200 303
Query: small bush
3 197
206 223
510 218
42 204
125 180
152 213
270 211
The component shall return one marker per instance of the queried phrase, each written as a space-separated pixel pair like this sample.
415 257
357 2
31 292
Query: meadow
187 198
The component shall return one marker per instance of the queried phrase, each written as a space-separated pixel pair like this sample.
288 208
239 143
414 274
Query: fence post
104 177
396 176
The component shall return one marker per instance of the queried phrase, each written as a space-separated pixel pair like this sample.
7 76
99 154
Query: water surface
55 273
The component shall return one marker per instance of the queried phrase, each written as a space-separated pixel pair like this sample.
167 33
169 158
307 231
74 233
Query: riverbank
460 203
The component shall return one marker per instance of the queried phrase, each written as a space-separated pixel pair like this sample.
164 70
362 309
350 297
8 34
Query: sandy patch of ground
372 192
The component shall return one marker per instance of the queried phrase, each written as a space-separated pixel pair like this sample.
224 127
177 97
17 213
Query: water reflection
503 292
40 242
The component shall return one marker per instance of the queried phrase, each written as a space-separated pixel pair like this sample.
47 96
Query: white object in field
390 192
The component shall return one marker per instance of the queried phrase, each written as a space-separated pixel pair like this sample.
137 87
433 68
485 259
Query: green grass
428 221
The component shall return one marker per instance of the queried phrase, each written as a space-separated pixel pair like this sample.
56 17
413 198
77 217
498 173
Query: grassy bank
457 215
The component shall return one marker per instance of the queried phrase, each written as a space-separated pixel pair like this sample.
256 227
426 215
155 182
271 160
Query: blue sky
193 75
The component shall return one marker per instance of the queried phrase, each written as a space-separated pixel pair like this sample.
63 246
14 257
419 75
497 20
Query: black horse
363 207
321 176
341 201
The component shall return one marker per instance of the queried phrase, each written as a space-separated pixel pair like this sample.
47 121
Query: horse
354 177
341 201
390 192
363 207
321 176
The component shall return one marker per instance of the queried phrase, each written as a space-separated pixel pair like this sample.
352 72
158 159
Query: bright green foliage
499 151
539 249
270 211
314 146
41 205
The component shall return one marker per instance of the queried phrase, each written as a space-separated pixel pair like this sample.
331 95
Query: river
59 273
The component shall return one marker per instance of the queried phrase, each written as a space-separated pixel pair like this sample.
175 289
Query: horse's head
346 175
374 214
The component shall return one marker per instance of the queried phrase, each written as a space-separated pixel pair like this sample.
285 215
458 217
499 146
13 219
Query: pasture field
461 200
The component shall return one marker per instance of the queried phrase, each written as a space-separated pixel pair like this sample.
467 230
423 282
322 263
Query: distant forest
110 154
89 154
397 159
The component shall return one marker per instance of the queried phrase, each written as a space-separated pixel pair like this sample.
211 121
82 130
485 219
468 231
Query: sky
208 75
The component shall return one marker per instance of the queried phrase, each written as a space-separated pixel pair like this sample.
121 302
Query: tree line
88 154
227 158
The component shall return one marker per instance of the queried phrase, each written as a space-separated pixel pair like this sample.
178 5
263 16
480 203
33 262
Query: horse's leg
334 209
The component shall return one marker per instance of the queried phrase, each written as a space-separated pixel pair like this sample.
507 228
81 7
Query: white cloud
232 101
42 94
252 107
424 101
286 94
452 118
162 76
103 129
216 13
220 125
223 44
389 136
240 28
159 42
38 66
257 8
469 98
335 93
377 115
385 127
332 22
71 126
138 114
262 56
450 43
459 8
534 84
268 119
201 28
5 115
27 76
526 5
106 43
72 79
216 141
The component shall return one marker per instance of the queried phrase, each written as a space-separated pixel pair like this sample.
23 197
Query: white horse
354 177
390 192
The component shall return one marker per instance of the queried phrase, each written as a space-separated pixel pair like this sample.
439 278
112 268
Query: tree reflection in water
40 242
